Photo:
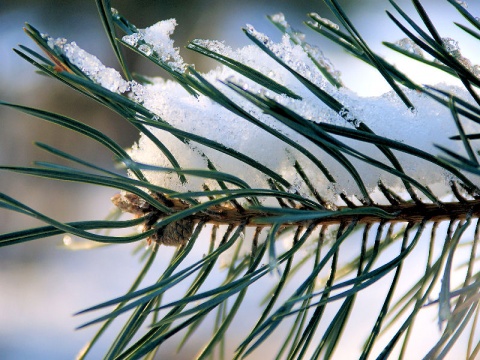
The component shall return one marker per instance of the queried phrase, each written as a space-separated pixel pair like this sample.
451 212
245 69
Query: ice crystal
58 42
292 55
453 49
313 51
215 46
280 19
451 46
155 40
131 40
410 46
323 21
476 70
90 65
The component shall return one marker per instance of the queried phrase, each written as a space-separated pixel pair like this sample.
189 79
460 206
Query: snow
90 65
410 46
313 52
431 123
292 55
323 21
155 40
453 48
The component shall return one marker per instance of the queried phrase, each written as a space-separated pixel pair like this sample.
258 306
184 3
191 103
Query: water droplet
146 49
67 240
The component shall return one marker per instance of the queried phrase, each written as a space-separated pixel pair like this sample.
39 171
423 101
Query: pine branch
222 214
272 146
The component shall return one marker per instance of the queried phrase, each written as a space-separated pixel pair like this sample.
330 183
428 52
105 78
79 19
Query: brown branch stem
404 212
178 232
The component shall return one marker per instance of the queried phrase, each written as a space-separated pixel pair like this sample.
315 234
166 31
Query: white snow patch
155 40
431 123
90 65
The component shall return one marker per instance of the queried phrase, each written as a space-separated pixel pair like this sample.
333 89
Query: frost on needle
90 65
155 40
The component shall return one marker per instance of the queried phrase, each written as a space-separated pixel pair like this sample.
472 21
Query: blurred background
42 284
